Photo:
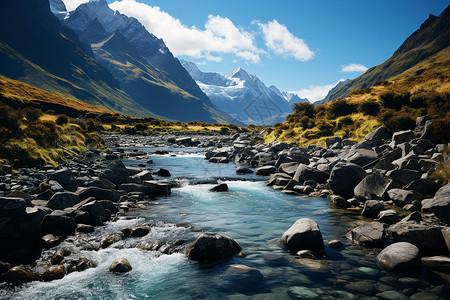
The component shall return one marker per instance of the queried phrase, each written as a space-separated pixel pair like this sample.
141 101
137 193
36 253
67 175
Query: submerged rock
121 265
400 257
211 246
304 234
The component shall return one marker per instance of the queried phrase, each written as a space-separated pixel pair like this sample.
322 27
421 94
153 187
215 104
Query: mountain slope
242 95
432 37
35 49
145 67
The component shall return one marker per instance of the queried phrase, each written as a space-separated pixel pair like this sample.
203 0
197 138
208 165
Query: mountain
293 98
333 91
143 65
427 43
242 95
36 49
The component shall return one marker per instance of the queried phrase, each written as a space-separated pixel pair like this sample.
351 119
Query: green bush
304 109
369 107
32 114
395 101
400 121
341 107
61 120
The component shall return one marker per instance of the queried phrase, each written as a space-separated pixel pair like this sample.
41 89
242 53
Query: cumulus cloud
220 35
354 68
281 41
315 92
73 4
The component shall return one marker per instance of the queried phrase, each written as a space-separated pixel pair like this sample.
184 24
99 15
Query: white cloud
220 35
73 4
280 40
354 68
315 92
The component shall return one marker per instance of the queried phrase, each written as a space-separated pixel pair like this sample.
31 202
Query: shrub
395 101
369 107
32 114
140 127
306 122
61 120
400 121
224 130
440 130
304 109
341 108
347 120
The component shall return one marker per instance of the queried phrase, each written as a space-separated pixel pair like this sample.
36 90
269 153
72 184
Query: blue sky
295 45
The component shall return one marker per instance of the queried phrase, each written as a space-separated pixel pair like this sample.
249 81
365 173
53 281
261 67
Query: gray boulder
379 134
423 186
427 238
58 225
400 257
116 172
372 208
62 200
133 188
305 173
97 213
403 176
401 137
265 170
99 193
304 234
289 168
211 246
374 186
440 204
362 157
243 170
389 217
344 177
65 178
12 206
403 197
372 234
223 187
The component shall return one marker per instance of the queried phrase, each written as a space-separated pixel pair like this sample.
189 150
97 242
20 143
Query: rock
335 244
242 277
12 206
311 254
121 265
243 170
110 239
305 173
304 234
438 263
360 287
370 235
210 246
362 157
50 241
401 137
374 186
97 214
109 205
84 228
339 201
389 217
344 177
53 273
223 187
134 188
372 208
392 295
403 176
440 204
164 173
265 171
403 197
58 225
116 172
379 134
400 257
66 179
427 238
4 267
301 292
19 275
139 231
289 168
423 186
99 194
62 200
446 236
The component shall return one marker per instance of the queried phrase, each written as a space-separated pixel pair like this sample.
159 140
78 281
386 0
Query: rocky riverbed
46 211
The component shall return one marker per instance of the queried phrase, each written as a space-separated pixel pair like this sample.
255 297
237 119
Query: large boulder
305 173
62 200
58 225
212 246
12 206
116 172
423 186
400 257
372 234
134 187
121 265
362 157
265 171
97 213
304 234
427 238
65 178
440 204
379 134
99 193
401 137
289 168
344 177
403 197
374 186
372 208
403 176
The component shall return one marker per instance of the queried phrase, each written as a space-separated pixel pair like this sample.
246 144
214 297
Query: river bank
244 148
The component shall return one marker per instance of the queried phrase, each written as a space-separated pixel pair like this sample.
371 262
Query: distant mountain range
101 57
244 96
426 50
